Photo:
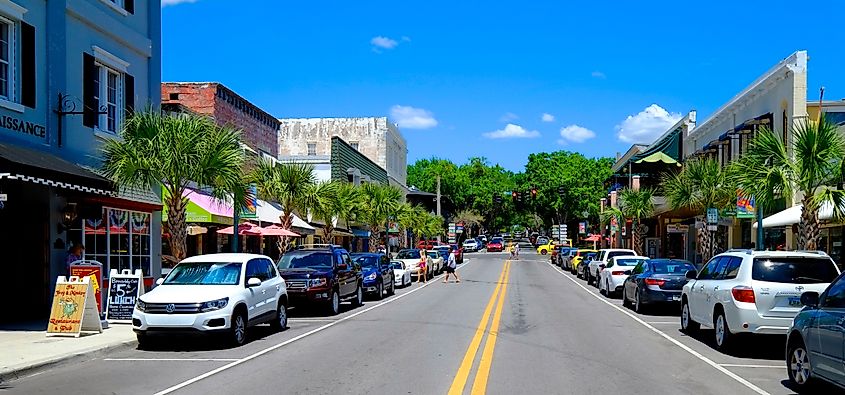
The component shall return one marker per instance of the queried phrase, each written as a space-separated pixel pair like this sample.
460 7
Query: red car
495 246
426 244
459 252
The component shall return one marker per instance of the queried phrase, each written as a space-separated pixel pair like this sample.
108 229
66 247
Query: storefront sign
124 290
676 228
23 127
712 216
745 207
93 270
582 228
73 310
250 210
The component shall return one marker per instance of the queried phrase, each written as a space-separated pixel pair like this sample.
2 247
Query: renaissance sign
23 127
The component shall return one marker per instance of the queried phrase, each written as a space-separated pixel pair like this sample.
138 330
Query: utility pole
438 202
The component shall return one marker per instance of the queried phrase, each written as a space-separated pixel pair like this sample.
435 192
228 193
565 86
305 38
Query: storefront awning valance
659 157
204 208
24 164
792 216
270 212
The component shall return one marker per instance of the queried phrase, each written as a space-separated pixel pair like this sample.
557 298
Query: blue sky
476 78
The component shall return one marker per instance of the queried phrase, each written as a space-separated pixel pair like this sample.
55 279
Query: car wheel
144 341
798 366
237 329
638 305
281 322
688 326
380 291
543 252
723 333
359 297
392 290
625 302
334 303
601 290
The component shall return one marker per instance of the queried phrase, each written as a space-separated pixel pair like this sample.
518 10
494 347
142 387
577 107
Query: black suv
322 275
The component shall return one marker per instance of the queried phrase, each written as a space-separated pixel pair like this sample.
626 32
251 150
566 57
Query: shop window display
119 239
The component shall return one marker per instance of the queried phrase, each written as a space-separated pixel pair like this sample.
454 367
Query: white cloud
598 74
406 39
575 134
546 117
412 118
508 117
647 125
512 131
165 3
381 43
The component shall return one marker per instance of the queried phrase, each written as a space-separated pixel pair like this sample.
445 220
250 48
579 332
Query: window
709 271
108 93
312 149
732 268
118 239
794 270
719 272
354 145
7 52
835 295
108 90
639 268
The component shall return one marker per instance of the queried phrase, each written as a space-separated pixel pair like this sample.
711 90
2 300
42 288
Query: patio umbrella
594 239
246 228
275 230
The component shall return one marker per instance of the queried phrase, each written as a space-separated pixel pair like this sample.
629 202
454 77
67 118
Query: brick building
375 137
228 108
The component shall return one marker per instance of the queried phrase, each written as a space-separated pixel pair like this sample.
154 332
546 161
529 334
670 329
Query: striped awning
40 167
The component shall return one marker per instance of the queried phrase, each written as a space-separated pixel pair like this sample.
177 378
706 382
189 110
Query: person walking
516 250
422 276
451 265
74 254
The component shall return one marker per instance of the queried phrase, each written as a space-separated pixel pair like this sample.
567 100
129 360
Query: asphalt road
518 328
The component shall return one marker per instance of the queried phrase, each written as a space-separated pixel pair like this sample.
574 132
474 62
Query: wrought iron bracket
67 105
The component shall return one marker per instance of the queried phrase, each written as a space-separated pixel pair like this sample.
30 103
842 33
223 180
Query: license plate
676 298
794 302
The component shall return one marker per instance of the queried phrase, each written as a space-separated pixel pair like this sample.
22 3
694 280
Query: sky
497 79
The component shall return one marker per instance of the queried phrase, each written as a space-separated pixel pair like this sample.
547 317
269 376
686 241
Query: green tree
328 206
379 203
636 205
292 185
173 152
701 184
814 170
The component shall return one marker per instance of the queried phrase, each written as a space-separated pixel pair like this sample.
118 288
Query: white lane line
732 365
289 341
312 319
684 347
662 322
171 359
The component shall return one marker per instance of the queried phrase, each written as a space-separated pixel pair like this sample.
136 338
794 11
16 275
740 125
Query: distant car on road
582 266
401 275
545 248
322 275
617 270
744 291
815 344
598 264
435 262
497 244
378 276
214 293
580 256
412 257
655 281
459 253
426 244
542 240
559 253
471 245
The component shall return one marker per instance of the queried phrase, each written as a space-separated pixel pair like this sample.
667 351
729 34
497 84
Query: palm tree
173 152
701 184
379 203
327 206
609 215
814 171
289 184
636 205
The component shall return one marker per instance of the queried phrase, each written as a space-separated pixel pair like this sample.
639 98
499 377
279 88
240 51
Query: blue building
70 73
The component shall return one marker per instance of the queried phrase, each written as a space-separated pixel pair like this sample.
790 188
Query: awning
792 216
342 233
204 208
658 157
270 212
361 233
23 164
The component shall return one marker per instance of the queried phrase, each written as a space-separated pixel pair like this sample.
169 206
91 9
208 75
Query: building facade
70 74
375 137
228 109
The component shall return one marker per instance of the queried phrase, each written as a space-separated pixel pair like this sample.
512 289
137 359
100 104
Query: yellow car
578 258
546 248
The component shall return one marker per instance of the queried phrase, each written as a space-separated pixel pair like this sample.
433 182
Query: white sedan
612 278
435 263
401 275
471 245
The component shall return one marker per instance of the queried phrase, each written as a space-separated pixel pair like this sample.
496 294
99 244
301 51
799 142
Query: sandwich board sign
74 310
94 271
124 289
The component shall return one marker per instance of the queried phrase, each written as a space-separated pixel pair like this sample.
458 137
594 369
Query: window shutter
129 6
91 107
129 94
27 65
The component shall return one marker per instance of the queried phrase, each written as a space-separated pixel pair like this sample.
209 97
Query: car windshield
205 273
408 254
628 261
497 240
306 260
590 256
367 260
433 254
443 250
396 265
671 267
796 270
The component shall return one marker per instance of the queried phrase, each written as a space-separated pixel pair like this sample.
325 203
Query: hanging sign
582 227
73 310
712 216
124 290
92 270
745 207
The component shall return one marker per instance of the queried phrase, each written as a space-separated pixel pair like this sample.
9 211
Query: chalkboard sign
124 290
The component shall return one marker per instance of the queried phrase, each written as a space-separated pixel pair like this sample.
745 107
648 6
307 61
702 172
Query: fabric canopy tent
246 228
275 230
593 238
269 212
792 216
659 157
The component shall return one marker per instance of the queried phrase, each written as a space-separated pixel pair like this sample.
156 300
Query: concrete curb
38 367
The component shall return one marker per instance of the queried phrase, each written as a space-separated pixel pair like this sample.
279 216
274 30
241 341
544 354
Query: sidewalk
26 351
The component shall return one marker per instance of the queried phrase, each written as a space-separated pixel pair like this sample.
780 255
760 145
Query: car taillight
654 281
617 273
743 293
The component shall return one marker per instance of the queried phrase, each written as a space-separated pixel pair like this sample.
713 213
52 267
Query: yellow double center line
479 386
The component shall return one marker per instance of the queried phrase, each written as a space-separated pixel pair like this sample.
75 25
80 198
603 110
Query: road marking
732 365
291 340
312 319
479 386
171 359
662 322
461 377
684 347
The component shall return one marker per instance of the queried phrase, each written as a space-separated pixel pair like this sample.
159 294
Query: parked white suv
752 291
598 264
215 293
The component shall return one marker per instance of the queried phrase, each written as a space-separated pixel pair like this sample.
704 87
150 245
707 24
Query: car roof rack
817 252
746 251
331 247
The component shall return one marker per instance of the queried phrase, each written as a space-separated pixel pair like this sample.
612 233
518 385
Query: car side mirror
342 266
691 274
253 282
160 281
627 272
810 299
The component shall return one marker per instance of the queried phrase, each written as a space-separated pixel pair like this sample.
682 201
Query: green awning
658 157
